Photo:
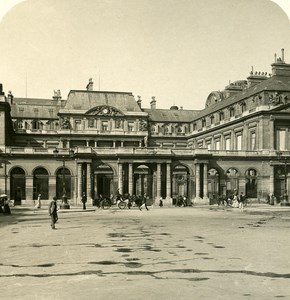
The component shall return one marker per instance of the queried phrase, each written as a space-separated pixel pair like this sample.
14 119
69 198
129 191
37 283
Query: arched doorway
40 183
180 176
103 181
17 185
232 181
143 181
63 183
213 185
251 183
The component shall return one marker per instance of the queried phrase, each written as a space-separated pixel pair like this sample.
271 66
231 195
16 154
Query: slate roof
34 108
274 83
86 100
167 115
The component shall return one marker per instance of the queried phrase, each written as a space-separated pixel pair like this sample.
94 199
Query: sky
176 50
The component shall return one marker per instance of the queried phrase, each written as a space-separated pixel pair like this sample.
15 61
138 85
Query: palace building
96 142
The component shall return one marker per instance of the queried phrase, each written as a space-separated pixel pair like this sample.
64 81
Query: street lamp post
284 202
64 203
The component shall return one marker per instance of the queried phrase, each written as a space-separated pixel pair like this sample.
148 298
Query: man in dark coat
84 200
52 210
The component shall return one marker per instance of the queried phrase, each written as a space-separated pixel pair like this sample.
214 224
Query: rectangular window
208 145
217 145
239 142
253 141
78 125
281 139
228 143
105 126
131 126
91 123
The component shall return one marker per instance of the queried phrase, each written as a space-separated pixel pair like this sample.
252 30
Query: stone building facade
96 142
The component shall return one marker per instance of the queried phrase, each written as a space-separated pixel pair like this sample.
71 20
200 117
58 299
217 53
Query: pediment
104 110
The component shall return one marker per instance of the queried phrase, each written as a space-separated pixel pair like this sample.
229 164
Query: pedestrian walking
52 210
144 202
84 200
241 200
38 203
161 202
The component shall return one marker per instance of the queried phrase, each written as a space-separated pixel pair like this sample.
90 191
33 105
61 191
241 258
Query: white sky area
176 50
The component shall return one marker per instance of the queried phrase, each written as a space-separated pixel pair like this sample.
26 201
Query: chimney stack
282 50
153 103
90 85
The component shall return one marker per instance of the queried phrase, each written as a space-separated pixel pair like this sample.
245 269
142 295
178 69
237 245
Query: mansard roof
274 83
34 108
85 100
168 115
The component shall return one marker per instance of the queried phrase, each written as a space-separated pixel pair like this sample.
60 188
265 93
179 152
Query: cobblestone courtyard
163 253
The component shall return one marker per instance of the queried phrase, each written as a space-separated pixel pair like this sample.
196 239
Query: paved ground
164 253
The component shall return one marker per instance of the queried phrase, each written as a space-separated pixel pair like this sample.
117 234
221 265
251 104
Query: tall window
232 111
228 143
105 126
281 139
208 145
253 140
222 115
239 142
217 145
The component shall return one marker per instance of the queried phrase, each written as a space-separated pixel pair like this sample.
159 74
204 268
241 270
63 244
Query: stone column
168 184
272 178
272 134
79 197
52 186
205 182
99 124
158 183
197 183
89 185
233 137
130 179
29 188
120 178
245 138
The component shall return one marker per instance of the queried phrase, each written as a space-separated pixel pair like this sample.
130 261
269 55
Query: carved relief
66 124
143 125
276 98
105 110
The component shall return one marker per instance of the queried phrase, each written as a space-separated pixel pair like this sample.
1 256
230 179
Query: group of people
233 200
139 201
180 201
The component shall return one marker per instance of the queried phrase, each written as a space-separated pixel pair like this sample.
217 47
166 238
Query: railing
144 151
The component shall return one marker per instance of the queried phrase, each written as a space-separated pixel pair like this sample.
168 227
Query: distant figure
52 210
241 200
38 203
273 199
161 202
5 202
84 200
143 202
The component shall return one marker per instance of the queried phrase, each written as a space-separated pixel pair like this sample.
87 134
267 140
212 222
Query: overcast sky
176 50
